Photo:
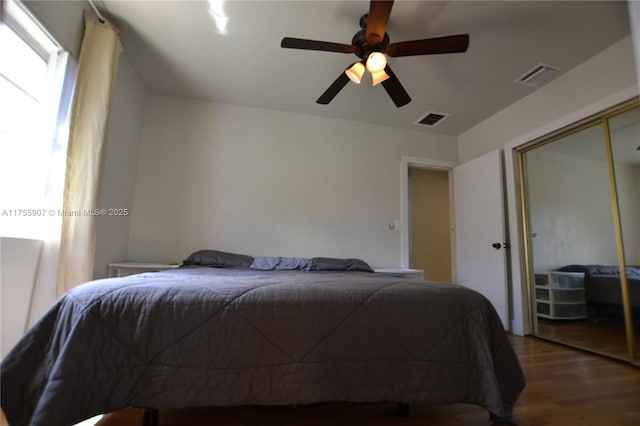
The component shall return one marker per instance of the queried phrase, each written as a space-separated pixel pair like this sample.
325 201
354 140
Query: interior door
480 230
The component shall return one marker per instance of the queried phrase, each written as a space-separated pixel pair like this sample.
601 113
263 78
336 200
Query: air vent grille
537 74
430 119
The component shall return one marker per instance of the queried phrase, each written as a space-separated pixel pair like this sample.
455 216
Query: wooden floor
565 387
605 338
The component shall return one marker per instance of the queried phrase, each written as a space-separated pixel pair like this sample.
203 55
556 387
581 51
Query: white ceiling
176 49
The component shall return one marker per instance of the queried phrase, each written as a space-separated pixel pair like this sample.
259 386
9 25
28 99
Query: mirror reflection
577 295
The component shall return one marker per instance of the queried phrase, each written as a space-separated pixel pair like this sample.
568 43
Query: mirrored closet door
624 130
581 209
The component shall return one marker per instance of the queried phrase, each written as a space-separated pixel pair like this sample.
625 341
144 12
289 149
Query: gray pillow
281 263
218 259
333 264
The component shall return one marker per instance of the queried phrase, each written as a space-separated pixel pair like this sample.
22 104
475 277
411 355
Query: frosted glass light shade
379 77
376 62
355 72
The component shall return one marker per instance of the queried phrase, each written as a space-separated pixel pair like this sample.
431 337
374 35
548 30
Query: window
36 80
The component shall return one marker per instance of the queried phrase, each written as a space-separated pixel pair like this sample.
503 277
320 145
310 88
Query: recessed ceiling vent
431 119
537 74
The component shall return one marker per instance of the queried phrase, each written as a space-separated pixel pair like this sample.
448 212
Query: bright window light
22 76
32 148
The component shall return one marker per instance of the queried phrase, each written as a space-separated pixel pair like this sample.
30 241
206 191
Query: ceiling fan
371 44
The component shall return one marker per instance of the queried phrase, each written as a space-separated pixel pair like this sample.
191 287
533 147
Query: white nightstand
122 269
417 274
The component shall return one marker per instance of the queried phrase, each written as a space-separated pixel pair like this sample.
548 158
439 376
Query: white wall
628 187
608 72
266 182
570 205
63 20
19 259
119 168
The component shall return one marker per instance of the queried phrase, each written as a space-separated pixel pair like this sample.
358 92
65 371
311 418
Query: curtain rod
95 9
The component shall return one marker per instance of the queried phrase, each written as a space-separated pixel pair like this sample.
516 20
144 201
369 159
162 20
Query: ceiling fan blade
429 46
392 85
334 89
377 20
325 46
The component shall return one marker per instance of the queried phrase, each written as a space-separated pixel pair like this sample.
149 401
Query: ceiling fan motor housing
363 48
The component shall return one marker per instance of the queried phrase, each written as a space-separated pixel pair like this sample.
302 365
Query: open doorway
430 223
440 203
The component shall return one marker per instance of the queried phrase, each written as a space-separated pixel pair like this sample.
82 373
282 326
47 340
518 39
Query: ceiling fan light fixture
355 72
379 77
376 62
372 45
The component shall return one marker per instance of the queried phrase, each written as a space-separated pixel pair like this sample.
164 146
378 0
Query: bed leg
402 409
150 417
503 420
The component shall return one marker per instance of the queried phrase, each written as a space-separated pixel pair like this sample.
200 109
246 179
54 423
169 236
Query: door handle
498 246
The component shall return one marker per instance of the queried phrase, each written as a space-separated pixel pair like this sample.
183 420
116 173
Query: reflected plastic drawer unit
560 295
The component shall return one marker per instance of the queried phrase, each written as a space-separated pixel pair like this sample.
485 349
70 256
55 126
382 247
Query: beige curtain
97 67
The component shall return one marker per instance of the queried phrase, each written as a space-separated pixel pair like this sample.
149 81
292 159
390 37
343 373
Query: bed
276 331
602 284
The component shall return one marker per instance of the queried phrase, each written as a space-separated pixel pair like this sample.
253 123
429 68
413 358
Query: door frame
430 164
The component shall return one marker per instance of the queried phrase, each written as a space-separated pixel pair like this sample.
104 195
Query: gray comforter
215 337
